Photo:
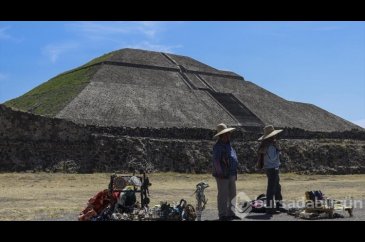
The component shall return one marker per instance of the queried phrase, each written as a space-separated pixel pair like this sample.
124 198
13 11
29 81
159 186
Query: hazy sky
322 63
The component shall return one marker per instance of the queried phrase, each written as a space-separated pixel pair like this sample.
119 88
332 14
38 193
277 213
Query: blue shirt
224 152
271 157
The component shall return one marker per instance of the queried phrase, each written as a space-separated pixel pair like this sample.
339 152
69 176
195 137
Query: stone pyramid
139 88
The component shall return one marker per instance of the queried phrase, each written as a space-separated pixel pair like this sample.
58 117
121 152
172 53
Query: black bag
260 161
258 205
225 165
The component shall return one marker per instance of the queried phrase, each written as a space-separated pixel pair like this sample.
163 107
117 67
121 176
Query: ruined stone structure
132 108
34 143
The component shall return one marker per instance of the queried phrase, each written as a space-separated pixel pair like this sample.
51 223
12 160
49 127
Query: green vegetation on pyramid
99 59
140 88
52 96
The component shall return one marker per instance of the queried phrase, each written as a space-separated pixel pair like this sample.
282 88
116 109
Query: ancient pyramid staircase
234 107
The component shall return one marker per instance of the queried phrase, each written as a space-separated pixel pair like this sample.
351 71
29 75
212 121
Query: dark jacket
224 160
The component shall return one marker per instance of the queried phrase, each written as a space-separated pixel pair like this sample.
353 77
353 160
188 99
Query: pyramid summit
139 88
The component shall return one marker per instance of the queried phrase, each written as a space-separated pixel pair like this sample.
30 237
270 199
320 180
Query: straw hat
269 131
221 129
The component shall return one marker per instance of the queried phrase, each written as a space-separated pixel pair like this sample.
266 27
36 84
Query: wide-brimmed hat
221 129
269 131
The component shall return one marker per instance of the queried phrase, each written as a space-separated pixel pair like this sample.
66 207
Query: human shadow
261 216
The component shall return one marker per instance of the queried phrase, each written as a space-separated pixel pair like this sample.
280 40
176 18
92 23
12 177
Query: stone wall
35 143
241 133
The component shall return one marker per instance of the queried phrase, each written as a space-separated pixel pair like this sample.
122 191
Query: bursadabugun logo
240 205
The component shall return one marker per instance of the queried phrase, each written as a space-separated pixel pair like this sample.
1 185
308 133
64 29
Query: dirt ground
49 196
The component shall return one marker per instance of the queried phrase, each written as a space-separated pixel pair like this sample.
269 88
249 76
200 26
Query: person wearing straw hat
269 153
225 171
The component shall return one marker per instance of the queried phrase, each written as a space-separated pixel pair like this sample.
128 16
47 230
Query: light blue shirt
271 158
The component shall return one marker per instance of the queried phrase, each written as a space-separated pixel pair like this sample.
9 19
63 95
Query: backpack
314 195
258 205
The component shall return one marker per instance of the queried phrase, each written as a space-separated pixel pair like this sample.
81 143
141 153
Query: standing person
269 154
225 172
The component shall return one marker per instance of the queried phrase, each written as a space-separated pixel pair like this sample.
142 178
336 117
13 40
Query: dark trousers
273 191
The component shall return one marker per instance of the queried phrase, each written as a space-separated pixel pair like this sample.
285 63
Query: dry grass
28 196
